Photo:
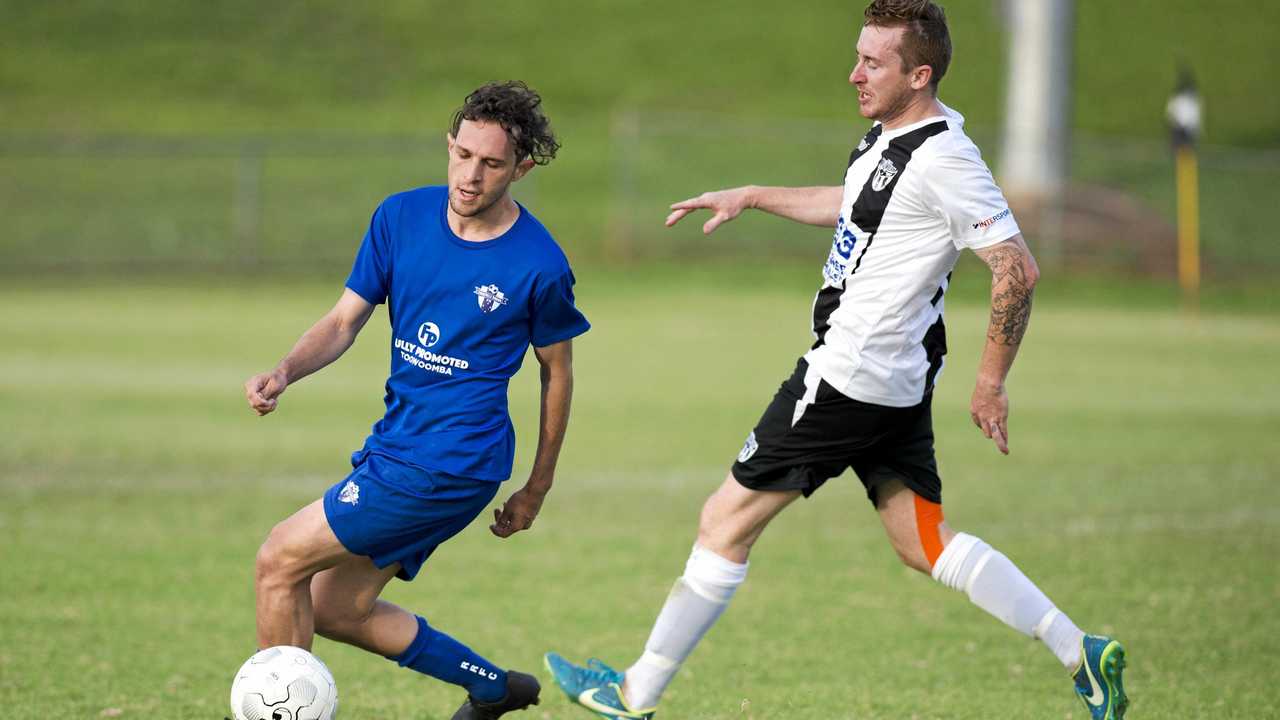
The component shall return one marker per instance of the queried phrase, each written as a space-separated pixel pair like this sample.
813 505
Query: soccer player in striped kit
916 193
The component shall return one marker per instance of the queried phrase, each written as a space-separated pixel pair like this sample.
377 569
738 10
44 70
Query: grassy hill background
400 66
283 124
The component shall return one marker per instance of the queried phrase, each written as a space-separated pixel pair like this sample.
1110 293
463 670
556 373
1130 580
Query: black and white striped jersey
914 197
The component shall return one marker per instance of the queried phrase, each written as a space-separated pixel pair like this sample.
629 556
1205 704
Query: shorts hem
927 491
797 477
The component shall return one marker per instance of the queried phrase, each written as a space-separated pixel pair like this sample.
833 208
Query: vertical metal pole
1188 183
1033 164
1185 123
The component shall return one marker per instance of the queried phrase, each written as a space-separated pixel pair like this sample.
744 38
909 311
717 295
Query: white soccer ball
284 683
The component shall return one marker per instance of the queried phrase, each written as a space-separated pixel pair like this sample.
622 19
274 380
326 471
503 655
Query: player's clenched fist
518 513
264 389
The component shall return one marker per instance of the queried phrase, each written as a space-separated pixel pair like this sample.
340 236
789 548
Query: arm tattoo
1010 296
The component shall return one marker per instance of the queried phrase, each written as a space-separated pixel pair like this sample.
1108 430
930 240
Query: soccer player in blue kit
471 279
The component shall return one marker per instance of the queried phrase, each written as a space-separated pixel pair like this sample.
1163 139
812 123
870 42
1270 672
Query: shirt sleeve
371 273
961 188
555 318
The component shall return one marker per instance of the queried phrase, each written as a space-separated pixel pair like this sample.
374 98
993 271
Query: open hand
726 204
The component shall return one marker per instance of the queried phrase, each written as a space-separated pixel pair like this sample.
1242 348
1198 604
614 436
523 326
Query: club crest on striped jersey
885 172
490 298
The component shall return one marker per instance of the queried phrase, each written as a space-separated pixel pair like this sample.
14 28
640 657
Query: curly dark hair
518 109
926 40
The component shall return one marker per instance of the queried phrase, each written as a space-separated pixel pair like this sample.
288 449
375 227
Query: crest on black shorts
748 448
490 298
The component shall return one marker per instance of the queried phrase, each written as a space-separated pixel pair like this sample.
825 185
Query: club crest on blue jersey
428 334
885 173
490 298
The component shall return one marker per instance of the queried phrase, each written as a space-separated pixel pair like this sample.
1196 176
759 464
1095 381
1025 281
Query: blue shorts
394 512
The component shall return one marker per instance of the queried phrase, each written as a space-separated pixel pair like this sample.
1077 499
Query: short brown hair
926 40
518 109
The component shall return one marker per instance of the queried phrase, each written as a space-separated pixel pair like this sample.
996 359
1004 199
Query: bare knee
734 517
277 565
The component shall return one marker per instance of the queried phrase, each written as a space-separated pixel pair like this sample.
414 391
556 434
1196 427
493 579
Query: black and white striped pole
1184 113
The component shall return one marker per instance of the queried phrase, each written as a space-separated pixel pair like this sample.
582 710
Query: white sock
996 585
696 601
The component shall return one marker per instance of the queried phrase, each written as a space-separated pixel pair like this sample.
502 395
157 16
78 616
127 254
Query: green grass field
1141 494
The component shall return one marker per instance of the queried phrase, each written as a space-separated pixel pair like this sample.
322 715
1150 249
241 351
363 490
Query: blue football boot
596 687
574 679
1098 680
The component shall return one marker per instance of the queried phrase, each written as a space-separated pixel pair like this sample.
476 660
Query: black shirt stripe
935 346
868 142
827 301
868 209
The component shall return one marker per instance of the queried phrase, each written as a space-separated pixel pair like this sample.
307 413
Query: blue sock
440 656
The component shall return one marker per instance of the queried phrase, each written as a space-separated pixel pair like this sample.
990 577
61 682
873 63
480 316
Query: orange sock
928 518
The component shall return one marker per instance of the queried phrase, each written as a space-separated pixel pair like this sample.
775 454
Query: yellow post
1188 184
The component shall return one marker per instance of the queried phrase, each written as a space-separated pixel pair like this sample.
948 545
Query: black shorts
811 432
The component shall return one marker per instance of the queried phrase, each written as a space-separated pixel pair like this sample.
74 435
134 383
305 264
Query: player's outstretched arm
1013 280
809 205
319 346
520 510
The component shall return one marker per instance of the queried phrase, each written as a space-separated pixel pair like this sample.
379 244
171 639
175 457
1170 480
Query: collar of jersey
477 244
947 115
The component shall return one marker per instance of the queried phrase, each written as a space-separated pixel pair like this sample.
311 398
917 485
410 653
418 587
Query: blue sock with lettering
440 656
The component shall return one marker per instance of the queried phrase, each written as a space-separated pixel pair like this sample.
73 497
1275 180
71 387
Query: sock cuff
953 555
712 576
949 570
415 648
661 662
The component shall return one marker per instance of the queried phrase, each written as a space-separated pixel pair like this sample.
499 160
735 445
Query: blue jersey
462 315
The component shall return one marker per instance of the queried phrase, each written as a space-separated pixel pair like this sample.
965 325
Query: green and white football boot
1098 679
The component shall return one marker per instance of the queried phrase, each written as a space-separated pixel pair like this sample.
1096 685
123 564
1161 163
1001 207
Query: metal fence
1117 214
123 203
120 204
